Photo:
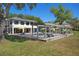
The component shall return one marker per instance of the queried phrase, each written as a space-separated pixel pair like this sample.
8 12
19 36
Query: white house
17 25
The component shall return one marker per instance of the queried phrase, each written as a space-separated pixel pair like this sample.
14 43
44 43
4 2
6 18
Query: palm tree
61 14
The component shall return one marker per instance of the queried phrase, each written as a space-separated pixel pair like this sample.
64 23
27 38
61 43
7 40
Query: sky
42 10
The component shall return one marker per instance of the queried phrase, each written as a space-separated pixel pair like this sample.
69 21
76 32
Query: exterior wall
12 26
22 26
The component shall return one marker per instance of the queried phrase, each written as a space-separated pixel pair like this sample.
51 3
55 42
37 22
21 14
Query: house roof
20 19
64 25
51 24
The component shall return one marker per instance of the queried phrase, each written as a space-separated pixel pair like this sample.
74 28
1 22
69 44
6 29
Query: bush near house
15 38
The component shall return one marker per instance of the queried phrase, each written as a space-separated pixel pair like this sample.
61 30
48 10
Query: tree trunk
0 34
32 29
2 30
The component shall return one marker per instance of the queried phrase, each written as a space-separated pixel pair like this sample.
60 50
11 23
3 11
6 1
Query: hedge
15 38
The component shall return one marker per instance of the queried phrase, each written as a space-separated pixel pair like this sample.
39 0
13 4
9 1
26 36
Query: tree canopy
6 7
27 17
61 14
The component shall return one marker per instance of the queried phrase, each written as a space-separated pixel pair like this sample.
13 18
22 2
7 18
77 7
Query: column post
50 30
23 30
45 32
12 27
12 30
37 31
32 29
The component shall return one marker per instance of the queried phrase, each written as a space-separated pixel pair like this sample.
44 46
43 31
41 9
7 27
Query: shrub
15 38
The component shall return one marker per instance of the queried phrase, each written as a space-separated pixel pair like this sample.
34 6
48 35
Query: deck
43 37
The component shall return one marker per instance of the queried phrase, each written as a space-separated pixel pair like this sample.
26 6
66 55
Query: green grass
67 46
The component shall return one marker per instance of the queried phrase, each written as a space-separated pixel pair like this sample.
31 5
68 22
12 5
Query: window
16 22
27 30
17 30
22 23
31 23
34 23
35 29
10 22
27 23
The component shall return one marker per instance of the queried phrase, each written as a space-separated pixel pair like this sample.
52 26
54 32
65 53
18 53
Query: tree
61 14
1 21
19 6
37 19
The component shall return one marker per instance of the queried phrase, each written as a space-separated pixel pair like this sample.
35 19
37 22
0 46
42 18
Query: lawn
67 46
